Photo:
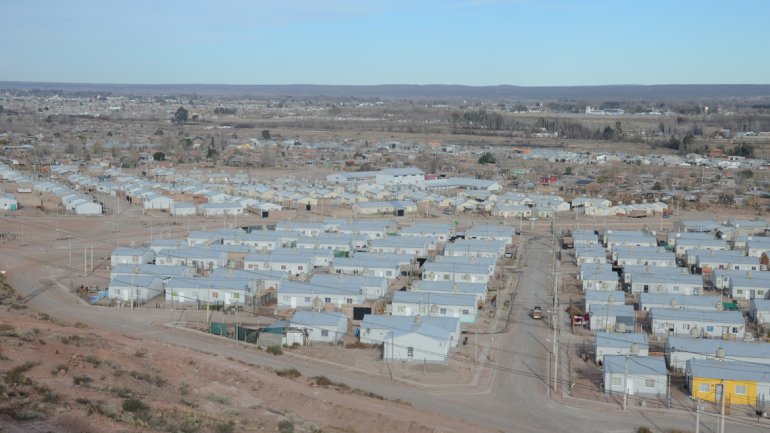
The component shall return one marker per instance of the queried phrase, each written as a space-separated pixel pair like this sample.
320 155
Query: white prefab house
370 287
421 343
135 288
220 209
671 283
208 291
88 208
645 376
293 294
305 228
590 254
157 201
489 262
721 278
587 270
414 246
448 271
614 238
475 248
681 245
757 245
613 343
370 266
629 271
648 301
450 287
612 318
747 288
442 232
659 258
463 307
679 350
183 209
162 272
294 264
131 256
199 260
196 238
604 297
710 324
340 244
261 281
491 233
734 260
265 240
375 329
624 250
606 281
8 201
759 311
321 327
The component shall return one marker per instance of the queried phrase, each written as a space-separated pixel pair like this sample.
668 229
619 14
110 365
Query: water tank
620 327
720 353
694 332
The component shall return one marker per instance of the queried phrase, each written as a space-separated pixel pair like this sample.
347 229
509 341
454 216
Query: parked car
537 312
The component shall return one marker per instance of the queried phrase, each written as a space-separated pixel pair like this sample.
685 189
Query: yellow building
745 383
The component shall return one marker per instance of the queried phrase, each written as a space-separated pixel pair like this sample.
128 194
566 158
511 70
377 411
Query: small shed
644 376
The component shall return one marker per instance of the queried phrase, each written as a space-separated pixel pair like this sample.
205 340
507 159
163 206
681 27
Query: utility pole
722 412
92 256
697 416
85 261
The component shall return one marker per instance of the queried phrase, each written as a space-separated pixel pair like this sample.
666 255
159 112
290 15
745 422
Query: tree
487 158
266 134
608 133
568 171
159 156
180 116
657 186
212 153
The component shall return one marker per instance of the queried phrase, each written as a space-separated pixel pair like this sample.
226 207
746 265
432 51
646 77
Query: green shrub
323 381
224 427
275 350
16 374
291 373
59 368
82 380
134 405
285 426
91 359
643 429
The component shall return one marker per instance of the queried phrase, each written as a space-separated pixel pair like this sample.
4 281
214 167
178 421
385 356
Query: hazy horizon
531 43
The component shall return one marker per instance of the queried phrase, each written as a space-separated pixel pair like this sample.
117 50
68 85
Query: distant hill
419 92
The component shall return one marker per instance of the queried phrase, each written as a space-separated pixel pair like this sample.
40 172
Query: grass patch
275 350
134 405
285 426
15 376
291 373
7 330
156 380
82 380
224 427
322 381
219 399
91 359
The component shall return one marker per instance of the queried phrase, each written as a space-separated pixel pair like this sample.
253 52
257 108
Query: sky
367 42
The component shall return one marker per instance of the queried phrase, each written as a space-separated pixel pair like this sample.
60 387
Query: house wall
424 349
637 384
704 329
466 314
601 351
705 389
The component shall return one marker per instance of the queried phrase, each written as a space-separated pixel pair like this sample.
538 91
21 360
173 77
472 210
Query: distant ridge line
416 91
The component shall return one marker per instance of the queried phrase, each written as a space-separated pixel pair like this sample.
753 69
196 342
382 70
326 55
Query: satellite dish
620 327
674 302
694 332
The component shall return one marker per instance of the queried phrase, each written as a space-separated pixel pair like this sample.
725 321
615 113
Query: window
442 311
348 300
704 387
710 328
649 383
446 277
324 333
287 298
283 267
400 309
465 312
740 389
214 295
686 326
236 296
300 267
307 298
737 267
410 352
615 381
676 288
735 330
328 300
739 291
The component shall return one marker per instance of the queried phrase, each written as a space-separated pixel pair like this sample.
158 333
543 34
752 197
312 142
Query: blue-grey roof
734 370
618 296
126 251
317 318
642 365
434 298
761 304
350 282
730 317
247 274
148 269
611 310
298 288
675 300
612 339
709 346
667 278
449 287
209 283
133 281
455 268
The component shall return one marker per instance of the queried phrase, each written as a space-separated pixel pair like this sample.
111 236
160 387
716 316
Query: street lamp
632 351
